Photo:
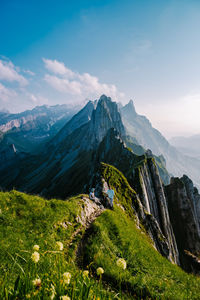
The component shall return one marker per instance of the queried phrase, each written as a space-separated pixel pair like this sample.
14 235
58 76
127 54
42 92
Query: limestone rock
182 198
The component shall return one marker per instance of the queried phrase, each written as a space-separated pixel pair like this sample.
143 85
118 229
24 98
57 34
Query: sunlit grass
37 261
115 237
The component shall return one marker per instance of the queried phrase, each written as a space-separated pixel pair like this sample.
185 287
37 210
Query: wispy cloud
37 99
29 72
8 72
57 67
74 83
6 94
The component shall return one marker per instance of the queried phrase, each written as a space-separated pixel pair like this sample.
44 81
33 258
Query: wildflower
85 273
59 246
100 271
53 292
121 263
35 257
37 282
66 277
64 298
28 296
36 247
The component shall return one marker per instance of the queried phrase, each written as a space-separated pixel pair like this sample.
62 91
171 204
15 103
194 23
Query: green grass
27 220
124 194
148 275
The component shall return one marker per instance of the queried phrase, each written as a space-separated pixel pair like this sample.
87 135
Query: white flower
64 298
66 277
85 273
37 282
35 257
59 246
100 271
36 247
121 263
53 292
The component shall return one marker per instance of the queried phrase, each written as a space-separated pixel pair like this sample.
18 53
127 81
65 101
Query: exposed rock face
89 211
194 197
81 118
150 215
105 116
183 203
150 189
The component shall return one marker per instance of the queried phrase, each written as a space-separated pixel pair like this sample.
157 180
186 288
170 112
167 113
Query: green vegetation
124 194
26 221
148 275
132 268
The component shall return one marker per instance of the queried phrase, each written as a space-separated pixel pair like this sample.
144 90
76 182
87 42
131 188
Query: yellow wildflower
53 292
121 263
85 273
36 247
64 298
59 246
35 257
66 277
37 282
100 271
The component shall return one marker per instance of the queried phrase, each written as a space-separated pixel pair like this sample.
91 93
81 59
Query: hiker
91 194
110 194
93 197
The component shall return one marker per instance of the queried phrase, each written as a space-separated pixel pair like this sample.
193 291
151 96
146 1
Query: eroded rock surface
183 207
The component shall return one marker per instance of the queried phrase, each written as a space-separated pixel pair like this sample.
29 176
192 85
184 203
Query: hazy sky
68 51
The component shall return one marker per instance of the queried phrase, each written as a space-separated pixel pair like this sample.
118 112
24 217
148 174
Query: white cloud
73 83
57 67
38 99
29 72
6 94
63 85
8 72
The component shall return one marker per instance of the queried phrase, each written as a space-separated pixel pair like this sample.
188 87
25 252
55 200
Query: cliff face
151 208
150 188
183 203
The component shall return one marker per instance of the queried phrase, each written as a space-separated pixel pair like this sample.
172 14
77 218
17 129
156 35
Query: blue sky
68 51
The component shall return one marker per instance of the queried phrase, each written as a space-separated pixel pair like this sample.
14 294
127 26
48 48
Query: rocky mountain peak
105 116
129 109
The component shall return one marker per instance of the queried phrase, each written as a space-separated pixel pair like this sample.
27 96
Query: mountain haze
141 129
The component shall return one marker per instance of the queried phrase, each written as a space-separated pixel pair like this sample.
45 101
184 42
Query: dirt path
88 215
91 217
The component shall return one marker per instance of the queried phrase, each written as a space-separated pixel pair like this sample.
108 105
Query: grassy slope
27 220
114 235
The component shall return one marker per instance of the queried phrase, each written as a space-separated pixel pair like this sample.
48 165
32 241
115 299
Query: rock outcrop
183 203
150 188
163 240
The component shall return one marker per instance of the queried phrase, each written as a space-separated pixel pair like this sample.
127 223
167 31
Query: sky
55 52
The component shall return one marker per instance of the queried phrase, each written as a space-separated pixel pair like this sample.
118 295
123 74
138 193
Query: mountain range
104 138
29 129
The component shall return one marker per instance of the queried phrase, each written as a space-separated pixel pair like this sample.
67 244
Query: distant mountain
139 128
69 160
187 145
31 128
